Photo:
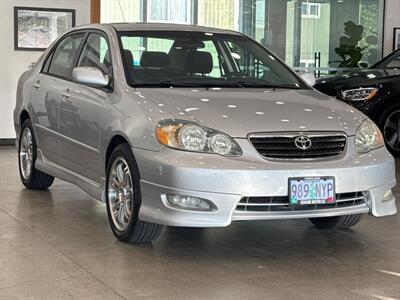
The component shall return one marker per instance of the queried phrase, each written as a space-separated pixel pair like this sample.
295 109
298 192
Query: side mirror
90 76
309 78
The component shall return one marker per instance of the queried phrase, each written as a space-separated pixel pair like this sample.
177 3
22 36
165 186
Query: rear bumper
225 181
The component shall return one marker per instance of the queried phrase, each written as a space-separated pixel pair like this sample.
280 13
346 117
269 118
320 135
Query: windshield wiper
246 84
188 83
210 83
165 83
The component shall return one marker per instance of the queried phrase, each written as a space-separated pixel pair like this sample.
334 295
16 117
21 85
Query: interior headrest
154 59
128 57
198 62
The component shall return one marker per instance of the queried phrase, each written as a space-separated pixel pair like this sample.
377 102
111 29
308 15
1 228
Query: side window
63 57
96 53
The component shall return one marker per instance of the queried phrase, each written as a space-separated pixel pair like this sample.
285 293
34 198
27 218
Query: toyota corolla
192 126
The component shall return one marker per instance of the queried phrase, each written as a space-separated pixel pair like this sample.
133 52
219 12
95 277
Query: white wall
392 19
13 63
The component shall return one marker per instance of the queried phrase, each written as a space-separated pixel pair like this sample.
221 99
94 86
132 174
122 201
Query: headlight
189 136
368 137
360 94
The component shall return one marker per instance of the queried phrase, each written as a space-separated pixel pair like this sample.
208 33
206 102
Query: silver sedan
193 126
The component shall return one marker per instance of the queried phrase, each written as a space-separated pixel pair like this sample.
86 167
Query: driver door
82 111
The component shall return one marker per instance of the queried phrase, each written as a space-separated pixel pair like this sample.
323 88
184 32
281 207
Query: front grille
284 147
281 203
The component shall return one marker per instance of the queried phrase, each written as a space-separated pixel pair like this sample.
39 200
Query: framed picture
396 38
35 28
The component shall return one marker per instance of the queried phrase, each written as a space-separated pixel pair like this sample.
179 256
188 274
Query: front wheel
339 222
123 199
389 123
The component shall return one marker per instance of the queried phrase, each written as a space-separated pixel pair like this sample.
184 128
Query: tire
31 177
392 112
123 199
339 222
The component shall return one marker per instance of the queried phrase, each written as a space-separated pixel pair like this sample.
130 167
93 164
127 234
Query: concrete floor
58 245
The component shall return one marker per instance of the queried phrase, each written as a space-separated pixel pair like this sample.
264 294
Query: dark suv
374 91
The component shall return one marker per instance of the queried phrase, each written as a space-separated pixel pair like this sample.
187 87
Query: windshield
392 61
197 59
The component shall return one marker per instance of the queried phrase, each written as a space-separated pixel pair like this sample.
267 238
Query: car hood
355 79
239 112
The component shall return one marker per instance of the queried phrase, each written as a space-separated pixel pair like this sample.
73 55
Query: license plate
311 190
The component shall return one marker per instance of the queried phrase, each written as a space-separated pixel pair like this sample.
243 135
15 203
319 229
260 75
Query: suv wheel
27 153
339 222
123 199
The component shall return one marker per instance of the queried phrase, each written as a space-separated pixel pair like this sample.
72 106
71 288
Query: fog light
190 203
387 196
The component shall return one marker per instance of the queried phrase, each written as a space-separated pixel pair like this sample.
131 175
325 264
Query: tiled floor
57 245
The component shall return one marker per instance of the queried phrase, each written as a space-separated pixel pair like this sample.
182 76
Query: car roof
160 27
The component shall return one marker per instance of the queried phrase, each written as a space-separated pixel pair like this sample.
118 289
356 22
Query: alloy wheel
391 130
120 193
26 153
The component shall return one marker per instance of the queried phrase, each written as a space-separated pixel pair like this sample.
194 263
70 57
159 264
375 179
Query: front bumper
225 181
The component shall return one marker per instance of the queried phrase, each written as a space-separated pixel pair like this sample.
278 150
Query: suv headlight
360 94
368 137
189 136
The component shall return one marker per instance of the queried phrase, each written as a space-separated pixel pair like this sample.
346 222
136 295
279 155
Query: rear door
46 92
82 112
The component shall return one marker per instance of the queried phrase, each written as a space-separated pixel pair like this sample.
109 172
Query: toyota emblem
302 142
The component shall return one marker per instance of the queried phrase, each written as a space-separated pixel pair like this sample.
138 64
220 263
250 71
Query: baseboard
7 142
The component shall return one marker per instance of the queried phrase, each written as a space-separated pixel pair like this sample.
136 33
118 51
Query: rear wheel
27 153
123 199
339 222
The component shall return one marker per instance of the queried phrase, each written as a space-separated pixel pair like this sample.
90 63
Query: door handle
36 85
66 94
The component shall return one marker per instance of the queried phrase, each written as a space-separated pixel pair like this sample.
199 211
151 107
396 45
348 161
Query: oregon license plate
311 190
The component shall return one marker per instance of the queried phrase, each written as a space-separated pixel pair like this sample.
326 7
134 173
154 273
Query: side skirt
93 188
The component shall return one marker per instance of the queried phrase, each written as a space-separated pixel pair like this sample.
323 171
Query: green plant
348 49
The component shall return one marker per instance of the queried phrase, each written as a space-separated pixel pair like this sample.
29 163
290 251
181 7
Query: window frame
86 33
308 13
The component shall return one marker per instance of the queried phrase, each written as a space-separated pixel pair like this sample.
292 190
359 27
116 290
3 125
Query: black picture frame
396 38
17 25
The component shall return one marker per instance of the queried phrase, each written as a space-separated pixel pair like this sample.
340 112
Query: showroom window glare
306 36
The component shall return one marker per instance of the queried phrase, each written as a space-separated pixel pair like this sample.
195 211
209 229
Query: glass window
64 56
138 45
198 59
120 11
310 10
221 13
96 54
175 11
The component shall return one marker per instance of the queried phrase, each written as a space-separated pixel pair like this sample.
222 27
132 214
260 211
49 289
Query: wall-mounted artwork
36 28
396 38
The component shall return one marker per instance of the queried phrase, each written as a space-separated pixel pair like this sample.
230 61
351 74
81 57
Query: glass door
307 34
